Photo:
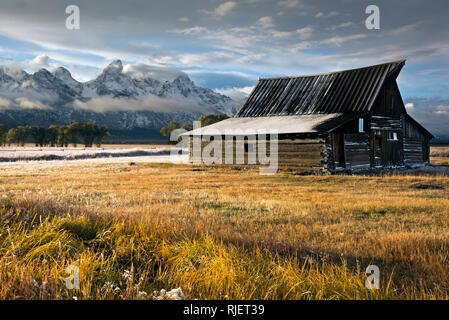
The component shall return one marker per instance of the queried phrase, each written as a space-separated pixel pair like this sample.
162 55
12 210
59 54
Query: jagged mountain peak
185 79
43 73
123 98
62 72
65 76
115 66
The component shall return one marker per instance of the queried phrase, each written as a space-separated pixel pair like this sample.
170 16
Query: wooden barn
346 120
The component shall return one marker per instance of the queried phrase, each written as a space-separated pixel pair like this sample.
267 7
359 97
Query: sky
228 45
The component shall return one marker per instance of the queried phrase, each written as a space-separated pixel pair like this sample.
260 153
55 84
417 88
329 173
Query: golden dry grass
439 155
223 233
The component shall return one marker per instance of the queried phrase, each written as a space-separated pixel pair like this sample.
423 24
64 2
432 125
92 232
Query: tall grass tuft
119 259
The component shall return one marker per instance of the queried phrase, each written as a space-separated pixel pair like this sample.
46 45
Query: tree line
85 133
203 122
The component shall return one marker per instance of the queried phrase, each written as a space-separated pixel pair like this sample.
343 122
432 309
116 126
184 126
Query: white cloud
290 3
329 15
37 63
341 26
304 33
28 104
433 70
223 9
191 31
237 94
12 69
409 106
405 28
148 103
184 19
22 103
338 40
265 22
5 103
161 73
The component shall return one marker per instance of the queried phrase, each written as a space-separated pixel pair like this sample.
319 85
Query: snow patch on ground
8 154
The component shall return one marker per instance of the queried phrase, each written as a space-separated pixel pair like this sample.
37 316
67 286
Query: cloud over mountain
140 91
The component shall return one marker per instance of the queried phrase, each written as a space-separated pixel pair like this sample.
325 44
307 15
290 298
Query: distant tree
38 134
100 134
21 135
74 132
42 136
212 118
33 131
173 125
166 131
11 136
87 132
63 136
187 127
2 135
52 135
56 135
17 135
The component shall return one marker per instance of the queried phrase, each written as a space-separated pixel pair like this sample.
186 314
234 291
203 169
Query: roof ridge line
334 72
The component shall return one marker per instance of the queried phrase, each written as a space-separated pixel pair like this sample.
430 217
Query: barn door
338 150
378 160
357 151
391 148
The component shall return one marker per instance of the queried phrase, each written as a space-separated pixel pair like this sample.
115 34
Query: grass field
440 155
218 233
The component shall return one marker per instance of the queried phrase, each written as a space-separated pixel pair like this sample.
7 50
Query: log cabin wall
357 151
416 144
302 153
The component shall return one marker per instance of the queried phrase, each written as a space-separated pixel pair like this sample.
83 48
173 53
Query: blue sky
228 45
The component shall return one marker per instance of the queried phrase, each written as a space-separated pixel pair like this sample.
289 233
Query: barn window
393 136
361 125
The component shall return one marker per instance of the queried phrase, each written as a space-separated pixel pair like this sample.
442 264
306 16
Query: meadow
137 231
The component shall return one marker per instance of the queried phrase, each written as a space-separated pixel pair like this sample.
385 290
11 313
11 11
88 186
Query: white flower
174 294
126 274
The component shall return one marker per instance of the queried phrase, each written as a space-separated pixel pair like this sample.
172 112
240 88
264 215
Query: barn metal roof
312 123
338 92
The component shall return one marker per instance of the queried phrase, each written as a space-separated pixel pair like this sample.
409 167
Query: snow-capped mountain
121 99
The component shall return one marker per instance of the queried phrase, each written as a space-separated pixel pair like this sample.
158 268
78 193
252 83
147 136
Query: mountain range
121 98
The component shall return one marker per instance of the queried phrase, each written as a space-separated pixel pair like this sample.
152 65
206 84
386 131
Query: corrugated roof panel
290 100
297 105
336 92
316 102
